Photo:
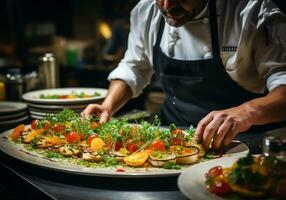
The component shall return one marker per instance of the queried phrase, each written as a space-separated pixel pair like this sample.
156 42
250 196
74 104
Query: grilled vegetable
69 151
159 158
90 155
185 155
32 134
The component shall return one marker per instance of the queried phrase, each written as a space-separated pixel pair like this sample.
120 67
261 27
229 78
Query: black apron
195 87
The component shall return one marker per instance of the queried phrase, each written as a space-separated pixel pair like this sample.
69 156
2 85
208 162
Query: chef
221 63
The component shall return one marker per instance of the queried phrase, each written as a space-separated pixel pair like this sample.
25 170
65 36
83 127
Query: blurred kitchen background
87 38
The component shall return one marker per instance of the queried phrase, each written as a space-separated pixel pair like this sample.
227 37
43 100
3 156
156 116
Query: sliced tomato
158 145
58 128
215 171
220 188
118 145
90 137
72 137
34 124
132 147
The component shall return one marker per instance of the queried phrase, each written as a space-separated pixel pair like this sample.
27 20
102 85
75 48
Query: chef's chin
175 22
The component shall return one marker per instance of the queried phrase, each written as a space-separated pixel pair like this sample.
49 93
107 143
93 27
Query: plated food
71 95
115 142
68 142
235 177
249 177
64 96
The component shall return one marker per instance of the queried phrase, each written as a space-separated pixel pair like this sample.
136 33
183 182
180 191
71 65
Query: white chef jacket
252 36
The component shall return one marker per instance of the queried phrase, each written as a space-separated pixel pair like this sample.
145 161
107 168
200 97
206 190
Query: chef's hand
102 111
222 126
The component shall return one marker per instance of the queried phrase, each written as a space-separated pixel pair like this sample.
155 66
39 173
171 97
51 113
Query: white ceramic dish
45 110
56 107
11 107
34 96
192 181
18 151
14 121
37 117
41 113
11 116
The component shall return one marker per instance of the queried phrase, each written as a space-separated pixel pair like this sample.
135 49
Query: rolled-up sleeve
135 68
270 51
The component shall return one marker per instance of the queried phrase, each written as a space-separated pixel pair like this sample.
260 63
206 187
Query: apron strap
160 33
214 29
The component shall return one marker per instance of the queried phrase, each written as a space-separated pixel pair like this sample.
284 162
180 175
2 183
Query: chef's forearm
268 109
118 95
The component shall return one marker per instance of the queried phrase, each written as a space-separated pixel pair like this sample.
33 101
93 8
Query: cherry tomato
72 137
34 124
132 147
158 145
220 188
46 125
94 125
82 136
177 131
215 171
58 128
177 141
90 137
63 96
118 145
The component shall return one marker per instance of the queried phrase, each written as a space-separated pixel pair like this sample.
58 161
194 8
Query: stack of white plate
40 107
12 114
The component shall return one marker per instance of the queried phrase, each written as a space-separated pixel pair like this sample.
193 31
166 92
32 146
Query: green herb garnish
170 165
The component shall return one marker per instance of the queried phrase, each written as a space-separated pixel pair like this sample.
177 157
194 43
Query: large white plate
11 107
57 107
34 96
192 181
19 152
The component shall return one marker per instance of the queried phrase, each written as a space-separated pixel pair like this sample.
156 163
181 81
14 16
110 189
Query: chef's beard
177 11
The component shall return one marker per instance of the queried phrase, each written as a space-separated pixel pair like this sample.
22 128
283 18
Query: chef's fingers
221 133
90 109
104 117
210 131
201 127
230 135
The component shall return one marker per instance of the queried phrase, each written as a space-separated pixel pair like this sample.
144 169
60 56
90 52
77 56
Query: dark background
29 28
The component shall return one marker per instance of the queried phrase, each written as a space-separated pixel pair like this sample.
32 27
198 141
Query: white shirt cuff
276 79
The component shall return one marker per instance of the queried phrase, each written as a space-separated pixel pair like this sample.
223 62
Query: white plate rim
194 177
12 116
19 106
13 121
40 113
31 96
37 117
9 148
56 107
